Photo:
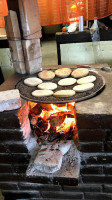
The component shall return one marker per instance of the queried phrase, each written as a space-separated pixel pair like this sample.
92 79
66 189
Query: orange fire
55 118
65 126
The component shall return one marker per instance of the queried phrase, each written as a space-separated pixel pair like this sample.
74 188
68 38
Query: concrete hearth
94 117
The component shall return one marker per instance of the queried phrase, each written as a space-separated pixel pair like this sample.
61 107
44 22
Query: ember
53 120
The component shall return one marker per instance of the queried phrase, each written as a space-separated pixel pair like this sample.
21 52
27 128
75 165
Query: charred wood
36 110
42 124
47 107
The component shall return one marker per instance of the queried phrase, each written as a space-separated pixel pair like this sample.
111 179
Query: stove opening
53 139
53 121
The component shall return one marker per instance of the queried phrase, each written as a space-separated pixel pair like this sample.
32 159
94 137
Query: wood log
30 19
57 120
47 107
42 124
36 110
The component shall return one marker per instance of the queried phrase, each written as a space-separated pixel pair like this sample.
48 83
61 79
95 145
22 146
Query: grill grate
25 91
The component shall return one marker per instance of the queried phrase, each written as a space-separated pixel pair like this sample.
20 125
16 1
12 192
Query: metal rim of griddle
24 91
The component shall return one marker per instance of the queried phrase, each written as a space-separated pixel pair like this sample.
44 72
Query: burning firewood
60 114
36 110
56 119
42 124
70 116
61 105
53 121
53 134
47 107
38 131
72 108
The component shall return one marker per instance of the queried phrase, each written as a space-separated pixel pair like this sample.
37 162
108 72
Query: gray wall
87 53
6 62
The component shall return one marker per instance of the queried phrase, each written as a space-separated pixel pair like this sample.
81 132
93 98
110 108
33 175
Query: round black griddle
26 91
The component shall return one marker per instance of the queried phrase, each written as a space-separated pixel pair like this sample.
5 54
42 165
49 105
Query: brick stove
94 117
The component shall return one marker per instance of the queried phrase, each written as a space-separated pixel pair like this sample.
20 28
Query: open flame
53 118
65 126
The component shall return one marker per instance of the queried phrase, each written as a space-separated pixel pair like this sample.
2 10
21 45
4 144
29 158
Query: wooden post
12 26
29 23
33 55
13 5
31 28
30 19
13 34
